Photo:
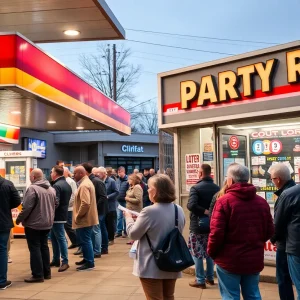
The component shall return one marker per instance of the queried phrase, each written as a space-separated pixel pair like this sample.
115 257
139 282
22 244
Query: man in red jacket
240 225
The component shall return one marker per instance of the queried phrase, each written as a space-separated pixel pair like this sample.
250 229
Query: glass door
233 148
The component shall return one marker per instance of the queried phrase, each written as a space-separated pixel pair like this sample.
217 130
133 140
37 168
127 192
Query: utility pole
114 73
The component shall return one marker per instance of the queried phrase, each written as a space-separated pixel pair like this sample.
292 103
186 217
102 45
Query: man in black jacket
100 240
281 177
200 199
123 186
9 199
287 227
58 238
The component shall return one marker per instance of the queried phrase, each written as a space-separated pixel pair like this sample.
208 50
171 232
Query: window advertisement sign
37 145
192 166
269 147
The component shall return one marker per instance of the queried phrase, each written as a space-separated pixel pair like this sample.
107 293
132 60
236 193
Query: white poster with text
192 166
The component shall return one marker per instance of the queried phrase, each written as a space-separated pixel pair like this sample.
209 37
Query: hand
206 212
126 198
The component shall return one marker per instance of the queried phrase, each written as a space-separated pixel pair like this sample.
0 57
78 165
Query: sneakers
80 263
111 242
97 255
9 260
86 267
55 264
196 284
63 267
124 235
118 235
5 285
33 280
104 252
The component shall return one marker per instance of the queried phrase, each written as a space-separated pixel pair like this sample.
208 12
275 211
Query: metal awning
46 20
38 92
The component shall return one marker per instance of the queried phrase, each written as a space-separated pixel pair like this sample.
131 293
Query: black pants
111 223
68 228
37 241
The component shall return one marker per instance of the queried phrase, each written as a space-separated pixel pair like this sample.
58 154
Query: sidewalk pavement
111 280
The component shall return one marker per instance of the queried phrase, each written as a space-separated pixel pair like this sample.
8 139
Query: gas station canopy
38 92
48 20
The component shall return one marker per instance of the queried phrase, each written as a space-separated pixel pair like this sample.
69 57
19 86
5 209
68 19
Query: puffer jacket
240 225
123 186
134 198
9 199
38 206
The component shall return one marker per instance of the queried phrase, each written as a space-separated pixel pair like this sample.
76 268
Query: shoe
104 252
78 252
85 267
72 246
9 260
118 235
197 284
111 243
209 282
124 235
97 255
5 285
34 280
63 267
55 264
47 277
80 263
81 256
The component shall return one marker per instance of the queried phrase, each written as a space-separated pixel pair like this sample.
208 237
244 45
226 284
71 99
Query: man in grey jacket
37 216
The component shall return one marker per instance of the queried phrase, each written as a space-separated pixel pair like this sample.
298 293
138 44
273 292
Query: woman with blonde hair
134 195
156 221
219 194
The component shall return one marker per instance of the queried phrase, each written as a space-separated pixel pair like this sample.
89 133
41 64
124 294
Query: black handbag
204 224
172 254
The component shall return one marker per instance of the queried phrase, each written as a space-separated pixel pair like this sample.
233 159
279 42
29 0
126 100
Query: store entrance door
233 148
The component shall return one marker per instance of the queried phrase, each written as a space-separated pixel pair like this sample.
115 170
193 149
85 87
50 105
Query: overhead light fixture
51 122
79 127
15 112
71 32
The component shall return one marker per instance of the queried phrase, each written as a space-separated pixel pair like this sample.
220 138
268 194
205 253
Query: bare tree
98 71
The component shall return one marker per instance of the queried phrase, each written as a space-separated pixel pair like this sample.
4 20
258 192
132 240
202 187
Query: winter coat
200 198
101 197
38 206
112 193
123 186
9 199
240 225
280 243
134 198
63 195
73 186
146 200
287 220
85 212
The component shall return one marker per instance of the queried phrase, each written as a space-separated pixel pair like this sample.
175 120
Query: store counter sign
192 166
212 90
9 134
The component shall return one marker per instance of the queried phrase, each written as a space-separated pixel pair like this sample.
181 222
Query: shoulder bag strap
150 245
176 215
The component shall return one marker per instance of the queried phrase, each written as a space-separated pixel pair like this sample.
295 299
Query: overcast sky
265 21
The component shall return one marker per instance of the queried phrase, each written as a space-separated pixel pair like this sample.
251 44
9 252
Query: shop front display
243 109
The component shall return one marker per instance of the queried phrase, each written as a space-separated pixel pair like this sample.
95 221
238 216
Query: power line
199 37
170 62
142 103
183 48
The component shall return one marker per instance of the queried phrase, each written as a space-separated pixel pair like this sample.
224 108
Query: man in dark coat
200 198
123 186
281 177
240 225
9 199
100 240
58 238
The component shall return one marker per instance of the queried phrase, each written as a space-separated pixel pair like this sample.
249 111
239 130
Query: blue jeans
285 285
84 236
4 236
104 234
201 275
294 267
96 238
230 284
121 224
59 243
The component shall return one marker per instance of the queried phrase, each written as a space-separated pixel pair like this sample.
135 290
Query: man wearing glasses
281 178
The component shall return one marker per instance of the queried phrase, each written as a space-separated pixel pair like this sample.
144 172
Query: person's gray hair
281 171
102 169
238 173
